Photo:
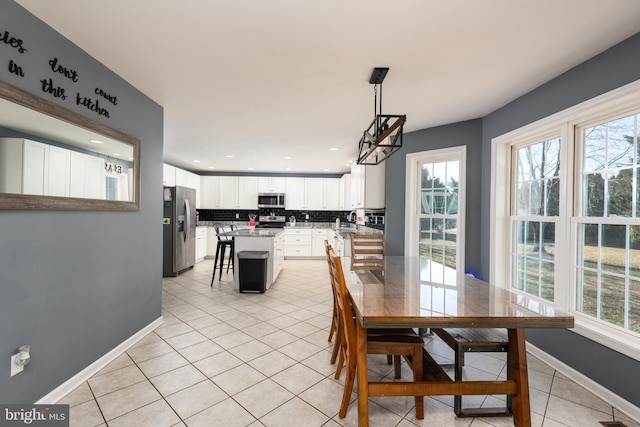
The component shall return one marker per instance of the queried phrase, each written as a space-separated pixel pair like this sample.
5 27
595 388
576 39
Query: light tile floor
222 358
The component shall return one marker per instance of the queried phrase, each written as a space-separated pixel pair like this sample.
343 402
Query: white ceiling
265 79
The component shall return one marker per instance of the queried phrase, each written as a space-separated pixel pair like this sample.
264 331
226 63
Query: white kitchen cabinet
331 193
318 236
344 201
295 193
212 242
312 193
209 192
201 243
57 183
278 254
168 175
367 186
30 167
271 184
187 179
86 176
247 192
228 192
237 192
35 168
297 242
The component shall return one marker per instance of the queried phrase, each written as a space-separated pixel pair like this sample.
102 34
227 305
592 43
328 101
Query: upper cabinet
229 192
271 184
33 168
312 193
344 201
168 175
173 176
367 186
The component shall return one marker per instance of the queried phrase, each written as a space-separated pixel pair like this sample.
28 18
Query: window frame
599 109
412 202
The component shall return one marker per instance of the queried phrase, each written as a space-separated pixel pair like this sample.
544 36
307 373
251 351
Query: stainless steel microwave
271 200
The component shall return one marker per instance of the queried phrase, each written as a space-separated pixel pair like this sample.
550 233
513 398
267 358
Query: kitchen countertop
255 232
345 229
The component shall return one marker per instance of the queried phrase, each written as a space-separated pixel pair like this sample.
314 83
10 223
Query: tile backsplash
376 218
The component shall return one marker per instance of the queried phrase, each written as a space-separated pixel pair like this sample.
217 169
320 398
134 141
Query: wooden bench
468 340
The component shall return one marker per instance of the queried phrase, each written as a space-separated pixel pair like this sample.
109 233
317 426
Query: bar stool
224 242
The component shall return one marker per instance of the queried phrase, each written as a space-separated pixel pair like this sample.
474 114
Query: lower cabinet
318 237
201 243
278 254
306 242
297 242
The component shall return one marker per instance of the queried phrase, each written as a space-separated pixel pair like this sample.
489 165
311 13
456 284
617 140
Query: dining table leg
518 371
363 379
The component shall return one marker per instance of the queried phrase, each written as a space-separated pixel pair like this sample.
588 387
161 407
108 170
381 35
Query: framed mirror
52 158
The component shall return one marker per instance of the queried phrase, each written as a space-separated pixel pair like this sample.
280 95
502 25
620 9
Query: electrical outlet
237 216
306 216
15 368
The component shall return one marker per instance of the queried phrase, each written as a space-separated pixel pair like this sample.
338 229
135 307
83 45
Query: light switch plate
15 368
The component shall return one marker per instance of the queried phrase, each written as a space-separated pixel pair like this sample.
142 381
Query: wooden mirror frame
10 201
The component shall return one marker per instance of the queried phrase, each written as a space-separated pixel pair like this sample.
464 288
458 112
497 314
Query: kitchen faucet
355 216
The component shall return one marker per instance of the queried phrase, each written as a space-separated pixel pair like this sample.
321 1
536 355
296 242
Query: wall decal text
51 89
7 38
67 72
111 98
92 105
15 68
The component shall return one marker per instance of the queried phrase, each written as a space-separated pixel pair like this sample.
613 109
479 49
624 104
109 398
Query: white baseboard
72 383
629 409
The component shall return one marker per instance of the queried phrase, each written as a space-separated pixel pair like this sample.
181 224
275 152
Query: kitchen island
259 239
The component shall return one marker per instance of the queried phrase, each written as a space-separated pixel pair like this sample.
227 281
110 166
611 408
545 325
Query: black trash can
252 271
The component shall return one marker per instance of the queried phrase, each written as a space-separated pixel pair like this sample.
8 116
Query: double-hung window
566 216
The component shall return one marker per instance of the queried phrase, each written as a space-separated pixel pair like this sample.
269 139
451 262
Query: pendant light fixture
383 137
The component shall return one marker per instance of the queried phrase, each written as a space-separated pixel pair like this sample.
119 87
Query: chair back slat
344 304
367 251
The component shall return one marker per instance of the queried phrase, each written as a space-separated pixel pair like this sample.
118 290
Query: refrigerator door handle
187 209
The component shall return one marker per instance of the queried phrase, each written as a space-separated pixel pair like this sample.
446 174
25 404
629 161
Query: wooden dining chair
367 251
408 346
335 322
337 329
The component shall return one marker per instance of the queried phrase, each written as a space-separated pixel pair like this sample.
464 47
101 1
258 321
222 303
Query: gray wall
467 133
74 285
613 68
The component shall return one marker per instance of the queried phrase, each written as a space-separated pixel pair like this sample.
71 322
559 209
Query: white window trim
620 99
412 190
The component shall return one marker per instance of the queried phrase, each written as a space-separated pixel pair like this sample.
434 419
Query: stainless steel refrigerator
179 230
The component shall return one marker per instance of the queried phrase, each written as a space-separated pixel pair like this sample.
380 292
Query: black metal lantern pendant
383 137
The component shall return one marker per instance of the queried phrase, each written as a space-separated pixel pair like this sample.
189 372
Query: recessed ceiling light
211 167
196 161
95 141
116 154
250 169
287 157
333 149
288 169
326 170
229 156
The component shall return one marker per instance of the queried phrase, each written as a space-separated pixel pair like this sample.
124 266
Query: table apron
461 323
434 388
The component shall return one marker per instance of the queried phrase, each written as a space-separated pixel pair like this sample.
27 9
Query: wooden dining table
404 294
